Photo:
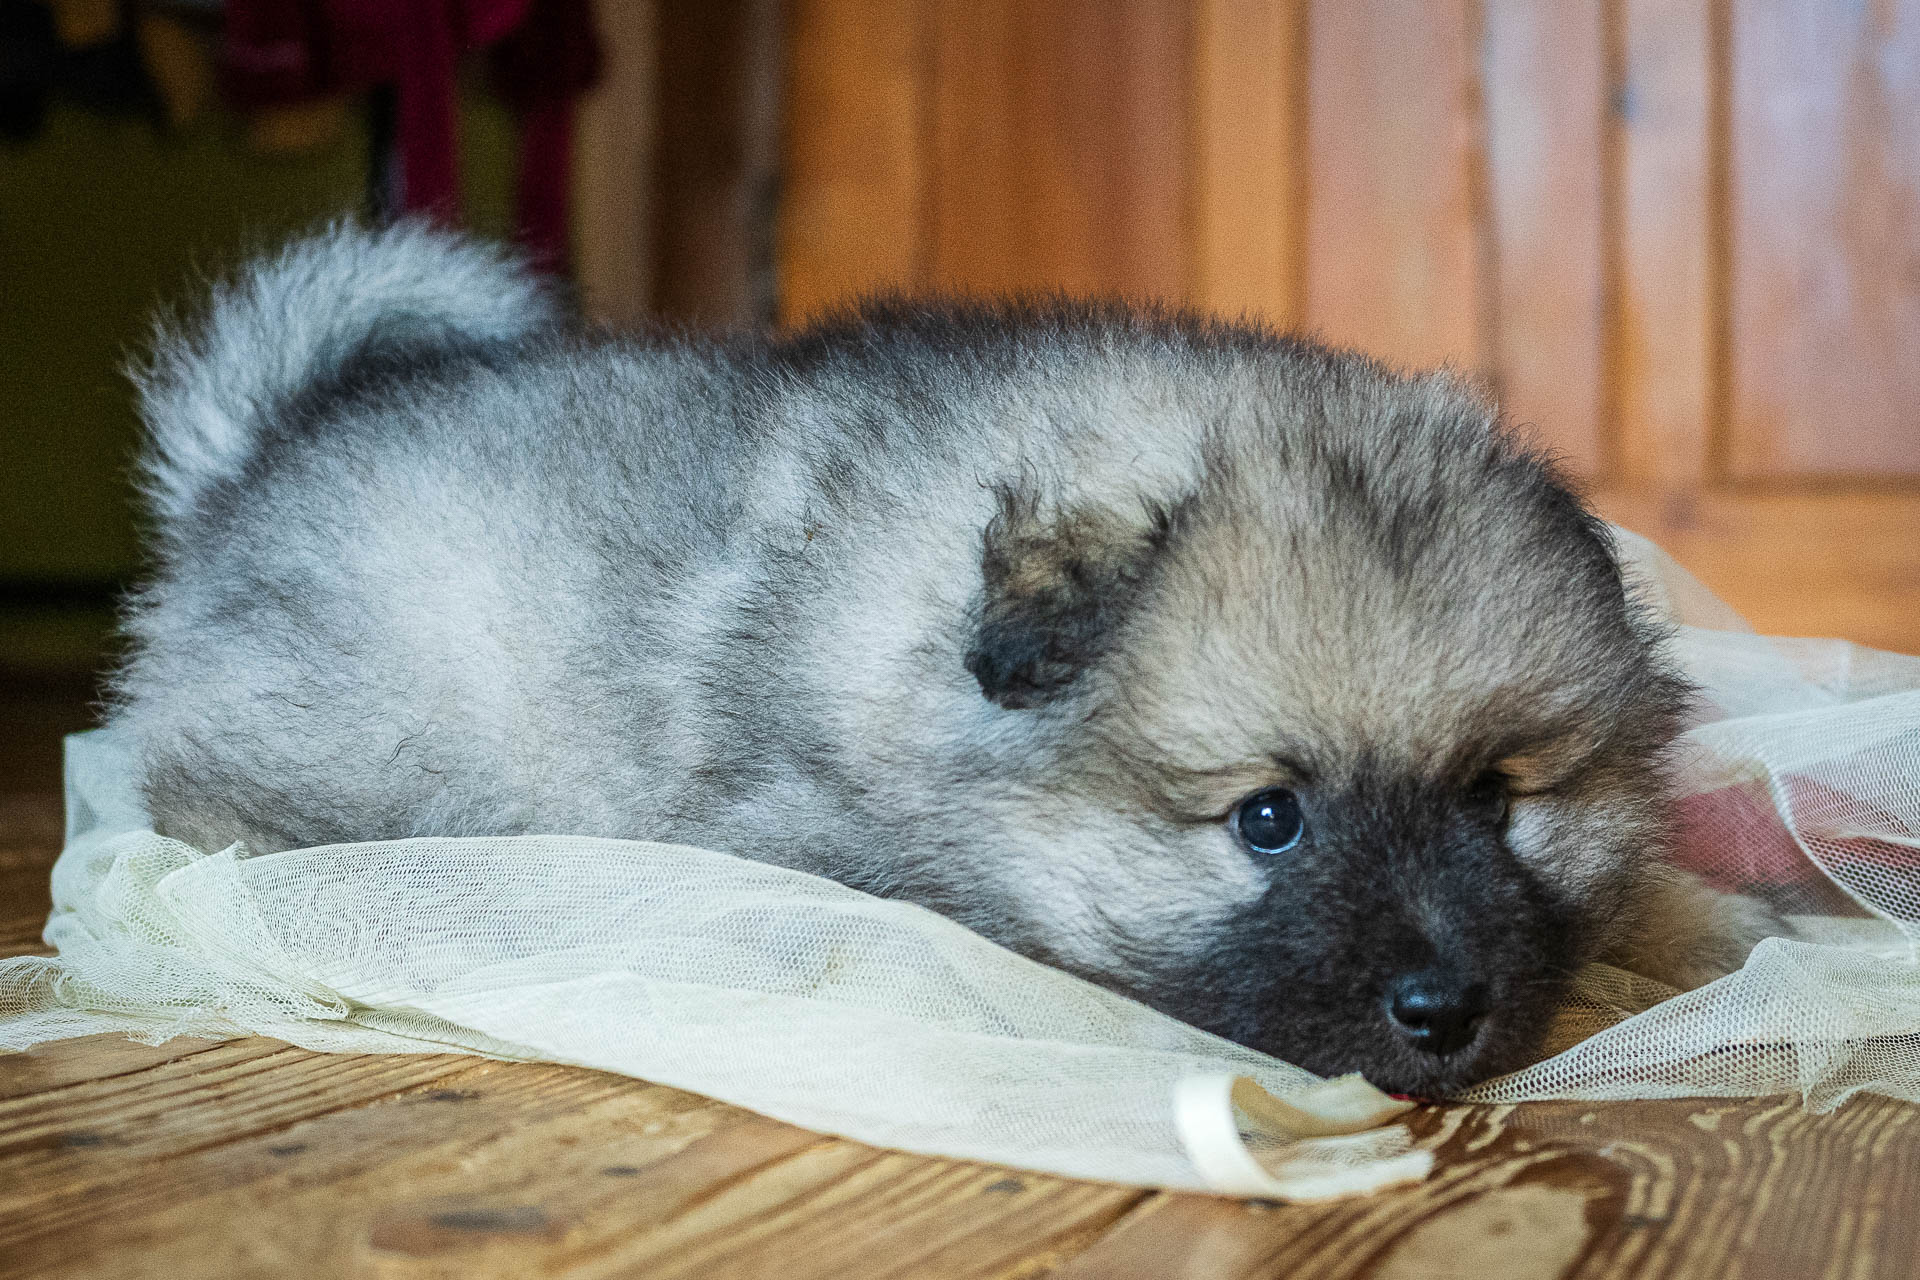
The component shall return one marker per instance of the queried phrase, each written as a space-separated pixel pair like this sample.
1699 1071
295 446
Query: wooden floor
253 1158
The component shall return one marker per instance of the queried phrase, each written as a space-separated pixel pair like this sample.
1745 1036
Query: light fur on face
1005 609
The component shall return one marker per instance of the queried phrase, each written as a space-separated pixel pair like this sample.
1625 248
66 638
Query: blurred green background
103 220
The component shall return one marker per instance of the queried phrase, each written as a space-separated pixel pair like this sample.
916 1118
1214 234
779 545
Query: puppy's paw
1691 933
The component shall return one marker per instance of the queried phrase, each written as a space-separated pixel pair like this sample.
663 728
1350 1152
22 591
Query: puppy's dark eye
1490 795
1269 821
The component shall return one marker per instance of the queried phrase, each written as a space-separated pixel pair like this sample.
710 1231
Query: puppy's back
390 491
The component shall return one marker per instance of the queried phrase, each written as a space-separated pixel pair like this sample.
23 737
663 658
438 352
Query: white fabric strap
1328 1138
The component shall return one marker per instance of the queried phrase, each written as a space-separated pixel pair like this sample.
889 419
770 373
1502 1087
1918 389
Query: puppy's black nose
1435 1010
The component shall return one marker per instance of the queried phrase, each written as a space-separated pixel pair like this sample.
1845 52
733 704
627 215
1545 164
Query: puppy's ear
1058 584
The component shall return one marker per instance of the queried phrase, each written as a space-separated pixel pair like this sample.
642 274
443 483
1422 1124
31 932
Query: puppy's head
1352 748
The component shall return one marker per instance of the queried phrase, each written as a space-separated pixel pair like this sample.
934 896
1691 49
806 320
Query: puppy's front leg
1691 933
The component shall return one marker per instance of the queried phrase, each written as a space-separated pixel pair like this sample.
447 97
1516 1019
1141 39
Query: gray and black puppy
1247 677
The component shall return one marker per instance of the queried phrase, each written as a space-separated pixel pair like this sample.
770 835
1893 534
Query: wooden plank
1060 144
516 1169
30 835
1821 564
20 935
1543 68
73 1155
1689 1188
717 170
60 1063
855 152
523 1169
364 1179
30 825
25 900
613 171
1392 238
1826 238
233 1088
530 1170
891 1215
1249 152
1666 313
42 707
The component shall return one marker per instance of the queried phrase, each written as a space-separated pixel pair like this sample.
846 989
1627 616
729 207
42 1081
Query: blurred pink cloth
1738 838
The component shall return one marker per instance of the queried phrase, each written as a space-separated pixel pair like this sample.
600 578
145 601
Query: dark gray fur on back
1001 608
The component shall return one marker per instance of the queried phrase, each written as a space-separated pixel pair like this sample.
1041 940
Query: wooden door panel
1249 158
1825 238
1681 237
859 102
1543 89
1392 252
1800 564
1665 318
1059 146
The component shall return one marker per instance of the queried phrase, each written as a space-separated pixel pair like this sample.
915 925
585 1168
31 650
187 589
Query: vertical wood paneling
1544 91
1682 237
720 63
1249 151
613 174
1666 316
1061 146
1391 235
1826 238
855 164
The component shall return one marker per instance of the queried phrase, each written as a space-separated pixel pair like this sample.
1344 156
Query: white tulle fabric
813 1003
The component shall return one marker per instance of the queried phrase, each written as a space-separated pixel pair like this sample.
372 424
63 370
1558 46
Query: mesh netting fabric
1801 787
816 1004
776 990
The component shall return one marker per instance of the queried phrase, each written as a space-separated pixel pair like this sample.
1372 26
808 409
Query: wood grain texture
717 160
1667 306
1060 147
507 1170
1249 158
1678 236
614 156
1393 248
1653 1189
1838 563
852 213
1544 77
1825 238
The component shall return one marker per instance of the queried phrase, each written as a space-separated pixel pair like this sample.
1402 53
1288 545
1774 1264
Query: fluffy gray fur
1004 609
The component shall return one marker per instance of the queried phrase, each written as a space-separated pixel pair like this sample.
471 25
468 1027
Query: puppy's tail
299 317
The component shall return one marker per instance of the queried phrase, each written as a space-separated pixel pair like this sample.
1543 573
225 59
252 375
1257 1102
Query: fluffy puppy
1253 679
